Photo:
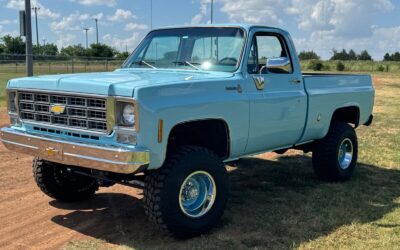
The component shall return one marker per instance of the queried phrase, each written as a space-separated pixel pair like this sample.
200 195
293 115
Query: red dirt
30 219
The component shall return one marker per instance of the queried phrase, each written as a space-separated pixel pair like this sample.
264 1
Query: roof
244 26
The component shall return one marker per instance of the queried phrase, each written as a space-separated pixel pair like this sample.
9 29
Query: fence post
72 65
107 64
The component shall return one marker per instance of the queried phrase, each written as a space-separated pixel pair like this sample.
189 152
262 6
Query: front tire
187 196
55 181
335 156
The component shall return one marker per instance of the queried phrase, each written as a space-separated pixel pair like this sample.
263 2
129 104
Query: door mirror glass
278 65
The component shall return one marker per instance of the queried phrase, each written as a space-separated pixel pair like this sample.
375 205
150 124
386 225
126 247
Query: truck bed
328 92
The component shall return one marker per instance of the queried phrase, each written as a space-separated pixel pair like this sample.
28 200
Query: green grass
357 66
277 203
4 77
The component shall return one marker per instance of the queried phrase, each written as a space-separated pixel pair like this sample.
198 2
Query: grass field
277 203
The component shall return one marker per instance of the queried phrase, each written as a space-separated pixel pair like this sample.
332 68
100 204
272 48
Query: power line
97 31
37 30
86 31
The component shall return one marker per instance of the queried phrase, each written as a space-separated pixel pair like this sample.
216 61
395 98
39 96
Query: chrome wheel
345 155
197 194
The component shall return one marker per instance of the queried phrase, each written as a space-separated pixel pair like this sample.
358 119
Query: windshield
210 49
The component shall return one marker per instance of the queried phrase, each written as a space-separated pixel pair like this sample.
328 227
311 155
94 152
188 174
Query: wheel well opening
212 134
348 115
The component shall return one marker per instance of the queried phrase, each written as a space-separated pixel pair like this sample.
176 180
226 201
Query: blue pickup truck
185 102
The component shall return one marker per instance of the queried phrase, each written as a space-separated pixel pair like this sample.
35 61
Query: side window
272 49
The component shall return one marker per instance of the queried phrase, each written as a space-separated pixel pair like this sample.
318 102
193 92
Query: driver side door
278 107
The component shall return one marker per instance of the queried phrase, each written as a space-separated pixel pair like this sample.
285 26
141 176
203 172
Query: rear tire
56 182
173 193
335 156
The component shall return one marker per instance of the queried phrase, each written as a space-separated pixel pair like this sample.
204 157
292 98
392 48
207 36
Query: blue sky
318 25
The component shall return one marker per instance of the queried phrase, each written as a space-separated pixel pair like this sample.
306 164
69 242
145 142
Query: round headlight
128 114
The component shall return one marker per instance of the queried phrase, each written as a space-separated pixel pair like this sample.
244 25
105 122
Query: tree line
16 46
351 55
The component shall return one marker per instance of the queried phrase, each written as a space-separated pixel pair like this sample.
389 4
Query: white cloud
121 15
135 26
43 12
96 2
204 9
68 23
121 44
381 41
345 18
65 40
255 11
3 22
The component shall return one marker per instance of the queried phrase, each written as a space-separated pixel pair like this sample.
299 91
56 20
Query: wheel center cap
192 193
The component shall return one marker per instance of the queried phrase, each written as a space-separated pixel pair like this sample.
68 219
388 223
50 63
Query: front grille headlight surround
12 101
125 113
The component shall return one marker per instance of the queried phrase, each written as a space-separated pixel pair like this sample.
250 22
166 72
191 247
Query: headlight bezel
12 105
120 104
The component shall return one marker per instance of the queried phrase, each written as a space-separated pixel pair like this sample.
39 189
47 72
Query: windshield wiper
141 62
191 64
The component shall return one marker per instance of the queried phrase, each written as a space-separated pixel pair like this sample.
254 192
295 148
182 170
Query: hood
121 82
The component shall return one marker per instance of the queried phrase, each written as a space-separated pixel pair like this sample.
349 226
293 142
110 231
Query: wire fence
10 63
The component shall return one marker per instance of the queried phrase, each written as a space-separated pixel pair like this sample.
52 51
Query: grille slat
80 112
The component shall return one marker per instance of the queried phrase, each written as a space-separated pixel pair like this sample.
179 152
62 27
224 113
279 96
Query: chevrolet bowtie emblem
57 109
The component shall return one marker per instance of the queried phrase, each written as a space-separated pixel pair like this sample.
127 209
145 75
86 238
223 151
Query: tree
316 65
308 55
2 48
364 56
392 57
74 50
352 55
340 66
342 55
122 55
49 49
101 50
13 45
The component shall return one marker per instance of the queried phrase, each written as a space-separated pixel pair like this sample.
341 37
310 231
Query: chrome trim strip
58 92
19 144
102 160
124 160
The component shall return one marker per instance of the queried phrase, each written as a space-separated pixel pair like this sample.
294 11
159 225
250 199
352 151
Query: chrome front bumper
105 158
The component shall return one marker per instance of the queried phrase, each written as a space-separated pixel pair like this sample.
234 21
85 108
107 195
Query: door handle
295 81
237 88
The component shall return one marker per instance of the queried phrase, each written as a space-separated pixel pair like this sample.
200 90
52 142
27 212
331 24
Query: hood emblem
57 109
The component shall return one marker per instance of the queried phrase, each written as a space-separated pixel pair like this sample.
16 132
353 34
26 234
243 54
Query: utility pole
37 31
151 14
97 31
212 11
86 31
44 41
28 27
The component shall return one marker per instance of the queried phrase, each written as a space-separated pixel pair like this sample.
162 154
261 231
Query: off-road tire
54 181
162 186
325 153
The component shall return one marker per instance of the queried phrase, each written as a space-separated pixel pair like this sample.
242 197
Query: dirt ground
30 219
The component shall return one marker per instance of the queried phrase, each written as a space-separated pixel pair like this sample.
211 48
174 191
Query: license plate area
52 151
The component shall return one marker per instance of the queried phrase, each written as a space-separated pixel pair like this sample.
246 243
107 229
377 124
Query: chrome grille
88 113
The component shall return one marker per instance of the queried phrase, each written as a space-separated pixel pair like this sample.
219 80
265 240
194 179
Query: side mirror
279 64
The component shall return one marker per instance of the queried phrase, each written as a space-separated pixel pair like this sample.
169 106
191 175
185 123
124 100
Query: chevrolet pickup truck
184 103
